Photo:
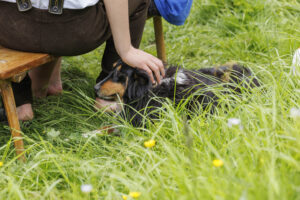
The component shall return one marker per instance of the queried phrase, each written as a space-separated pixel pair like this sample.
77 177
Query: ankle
55 88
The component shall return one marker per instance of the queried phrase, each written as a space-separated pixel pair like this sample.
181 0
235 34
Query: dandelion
295 112
233 122
149 143
1 164
124 197
135 194
218 163
86 188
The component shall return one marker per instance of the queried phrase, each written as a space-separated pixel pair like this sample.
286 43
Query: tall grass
261 155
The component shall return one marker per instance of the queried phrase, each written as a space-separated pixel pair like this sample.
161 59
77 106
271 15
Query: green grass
261 159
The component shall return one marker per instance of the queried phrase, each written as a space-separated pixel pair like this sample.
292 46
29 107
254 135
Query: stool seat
14 62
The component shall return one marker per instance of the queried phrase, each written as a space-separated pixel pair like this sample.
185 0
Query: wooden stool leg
11 112
159 38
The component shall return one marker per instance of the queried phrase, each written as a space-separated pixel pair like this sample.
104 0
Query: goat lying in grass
133 87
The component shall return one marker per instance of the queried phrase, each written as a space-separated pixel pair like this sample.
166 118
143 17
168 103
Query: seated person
81 27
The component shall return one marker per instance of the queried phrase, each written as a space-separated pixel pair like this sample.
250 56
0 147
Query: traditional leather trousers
74 32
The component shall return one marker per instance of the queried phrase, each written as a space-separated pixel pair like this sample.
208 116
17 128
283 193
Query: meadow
205 157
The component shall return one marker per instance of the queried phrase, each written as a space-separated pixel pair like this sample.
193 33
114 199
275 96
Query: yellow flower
1 164
129 159
218 163
149 143
124 197
135 194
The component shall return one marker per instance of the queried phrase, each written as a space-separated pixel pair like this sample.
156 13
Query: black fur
192 84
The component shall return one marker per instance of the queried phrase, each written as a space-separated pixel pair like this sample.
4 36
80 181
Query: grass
261 158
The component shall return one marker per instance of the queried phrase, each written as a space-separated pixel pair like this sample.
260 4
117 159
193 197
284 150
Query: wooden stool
13 67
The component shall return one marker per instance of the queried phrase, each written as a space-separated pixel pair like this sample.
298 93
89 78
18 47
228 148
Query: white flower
296 63
52 133
233 122
85 135
86 188
205 61
295 112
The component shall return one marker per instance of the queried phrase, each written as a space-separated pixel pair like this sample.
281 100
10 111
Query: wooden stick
11 112
159 39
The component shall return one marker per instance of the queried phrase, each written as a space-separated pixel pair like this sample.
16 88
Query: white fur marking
166 80
181 77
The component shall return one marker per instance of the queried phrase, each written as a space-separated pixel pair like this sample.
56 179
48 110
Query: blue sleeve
174 11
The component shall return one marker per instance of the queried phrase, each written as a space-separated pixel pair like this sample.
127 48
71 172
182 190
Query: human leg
55 83
46 77
23 98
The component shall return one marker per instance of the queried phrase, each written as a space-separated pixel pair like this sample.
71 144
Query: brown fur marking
119 67
110 88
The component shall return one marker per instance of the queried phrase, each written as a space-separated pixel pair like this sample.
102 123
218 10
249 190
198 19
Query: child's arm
117 12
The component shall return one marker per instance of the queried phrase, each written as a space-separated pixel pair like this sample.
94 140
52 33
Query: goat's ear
139 84
142 78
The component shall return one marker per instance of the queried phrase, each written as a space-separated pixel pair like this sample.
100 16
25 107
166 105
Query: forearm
117 13
118 17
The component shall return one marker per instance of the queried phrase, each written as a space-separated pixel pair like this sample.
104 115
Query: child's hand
142 60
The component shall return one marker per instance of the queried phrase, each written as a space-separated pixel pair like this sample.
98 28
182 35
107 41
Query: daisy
233 122
295 112
86 188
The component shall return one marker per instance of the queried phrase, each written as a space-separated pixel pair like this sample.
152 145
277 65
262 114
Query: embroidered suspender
55 6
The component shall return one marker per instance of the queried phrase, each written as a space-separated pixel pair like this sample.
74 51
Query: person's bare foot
25 112
107 106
